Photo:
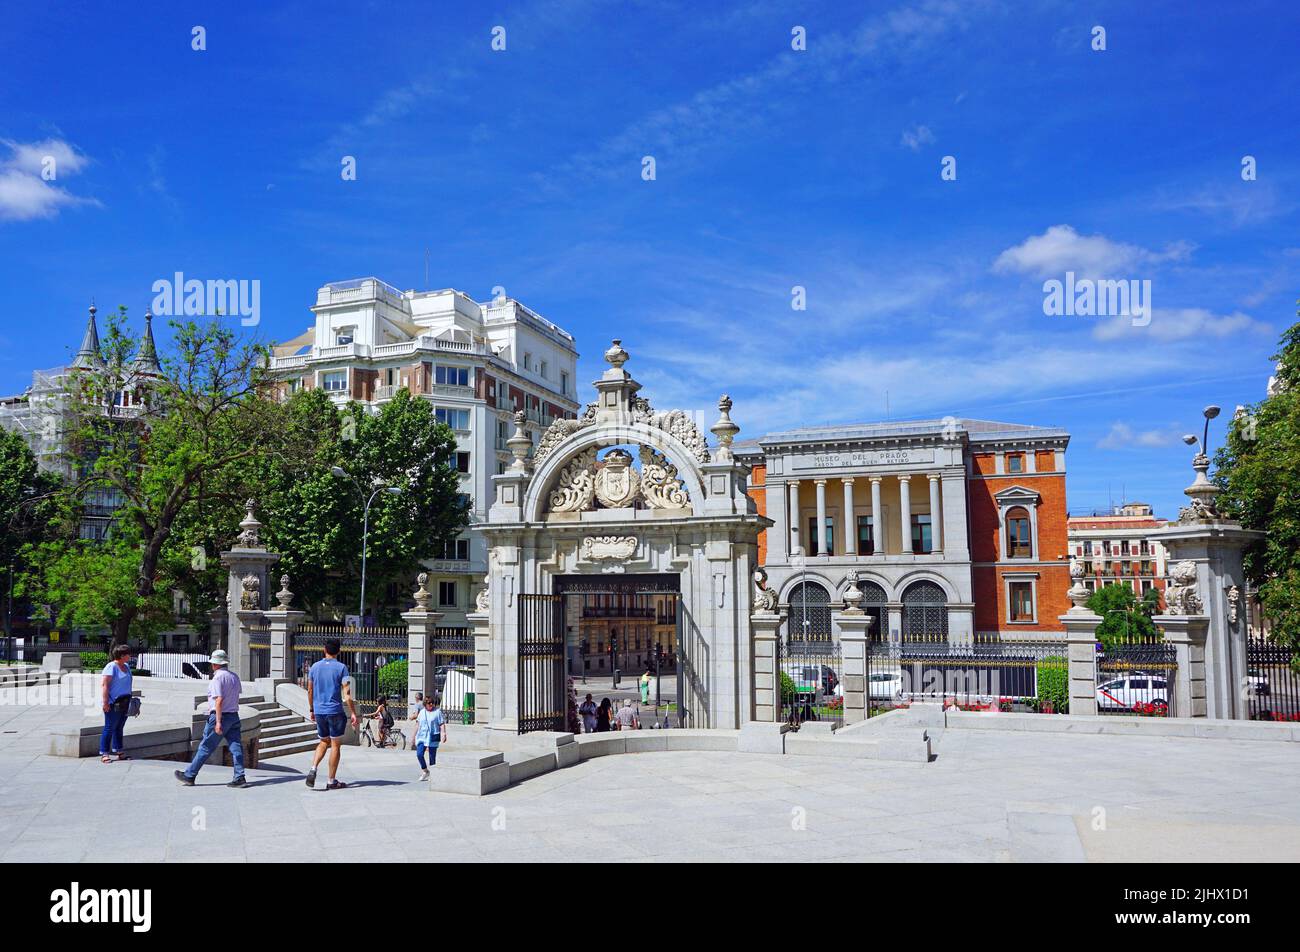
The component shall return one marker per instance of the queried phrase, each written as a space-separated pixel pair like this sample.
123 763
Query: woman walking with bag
116 691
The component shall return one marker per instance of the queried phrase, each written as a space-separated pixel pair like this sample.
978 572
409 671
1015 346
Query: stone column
877 530
482 629
905 510
1081 646
283 623
241 635
1187 633
794 517
936 514
420 627
854 626
820 538
247 590
850 527
765 628
895 610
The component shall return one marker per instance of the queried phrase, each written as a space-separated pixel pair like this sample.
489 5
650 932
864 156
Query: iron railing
1272 685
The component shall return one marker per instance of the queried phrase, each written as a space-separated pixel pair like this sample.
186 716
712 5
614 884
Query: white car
1133 692
884 685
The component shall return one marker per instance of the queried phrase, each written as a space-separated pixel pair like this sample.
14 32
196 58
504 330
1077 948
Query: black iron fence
451 653
376 658
1272 685
1136 677
984 673
810 673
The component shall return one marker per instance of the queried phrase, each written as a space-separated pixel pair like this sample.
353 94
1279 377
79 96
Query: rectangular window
542 369
335 381
1018 540
922 541
564 382
344 335
1015 463
447 594
1022 601
528 361
451 376
462 462
866 543
826 544
455 550
456 419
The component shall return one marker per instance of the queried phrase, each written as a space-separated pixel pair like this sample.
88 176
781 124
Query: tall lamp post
378 486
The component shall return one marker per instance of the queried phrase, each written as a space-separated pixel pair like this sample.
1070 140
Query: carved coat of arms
617 483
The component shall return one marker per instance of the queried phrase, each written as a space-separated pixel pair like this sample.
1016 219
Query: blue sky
774 168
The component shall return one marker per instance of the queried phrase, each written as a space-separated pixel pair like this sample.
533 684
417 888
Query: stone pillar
283 622
895 610
855 632
936 514
850 527
482 630
1187 633
765 630
820 539
247 590
794 517
905 511
877 530
1081 646
420 627
241 635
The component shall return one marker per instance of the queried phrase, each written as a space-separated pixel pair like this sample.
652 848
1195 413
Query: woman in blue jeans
116 690
430 731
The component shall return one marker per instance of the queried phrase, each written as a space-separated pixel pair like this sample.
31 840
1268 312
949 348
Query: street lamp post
379 486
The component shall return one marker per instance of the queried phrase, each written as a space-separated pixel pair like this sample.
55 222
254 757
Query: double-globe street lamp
377 486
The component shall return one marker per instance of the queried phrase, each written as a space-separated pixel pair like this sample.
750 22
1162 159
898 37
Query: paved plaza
988 797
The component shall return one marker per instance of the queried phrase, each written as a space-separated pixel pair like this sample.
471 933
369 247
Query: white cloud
25 191
1183 323
1122 436
1060 248
916 137
1240 203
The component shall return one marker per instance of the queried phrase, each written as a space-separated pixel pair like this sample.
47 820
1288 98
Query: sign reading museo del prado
897 457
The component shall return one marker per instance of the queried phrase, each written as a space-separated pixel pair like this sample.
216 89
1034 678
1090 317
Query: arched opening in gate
925 613
876 604
809 659
810 614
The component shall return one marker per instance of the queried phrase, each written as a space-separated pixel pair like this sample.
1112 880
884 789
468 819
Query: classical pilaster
820 538
765 627
877 530
905 510
936 514
850 527
794 517
854 628
482 631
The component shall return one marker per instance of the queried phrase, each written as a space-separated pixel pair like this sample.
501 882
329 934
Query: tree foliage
1125 617
1258 469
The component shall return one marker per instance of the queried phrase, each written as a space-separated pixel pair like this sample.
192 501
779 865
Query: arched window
1020 542
925 612
810 613
874 601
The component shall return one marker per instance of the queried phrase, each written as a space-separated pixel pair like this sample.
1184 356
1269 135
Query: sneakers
424 775
185 779
336 785
238 782
311 778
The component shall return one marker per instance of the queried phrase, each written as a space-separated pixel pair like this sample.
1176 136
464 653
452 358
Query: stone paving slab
989 797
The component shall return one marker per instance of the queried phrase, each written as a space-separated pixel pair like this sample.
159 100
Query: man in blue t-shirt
329 687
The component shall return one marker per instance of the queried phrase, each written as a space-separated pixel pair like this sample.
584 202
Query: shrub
1054 684
94 660
787 687
392 679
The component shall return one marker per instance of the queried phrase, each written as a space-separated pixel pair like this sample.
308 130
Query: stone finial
519 444
284 596
764 598
1078 593
250 529
422 596
725 430
616 355
853 595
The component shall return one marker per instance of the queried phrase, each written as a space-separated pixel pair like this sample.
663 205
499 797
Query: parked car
884 685
1257 683
197 669
1132 692
811 678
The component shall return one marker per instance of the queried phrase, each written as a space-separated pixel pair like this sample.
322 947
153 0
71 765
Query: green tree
1258 469
1124 616
32 510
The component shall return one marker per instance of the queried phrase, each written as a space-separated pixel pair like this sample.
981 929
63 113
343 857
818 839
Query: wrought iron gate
543 694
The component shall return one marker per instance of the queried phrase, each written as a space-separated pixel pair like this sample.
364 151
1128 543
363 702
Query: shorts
331 726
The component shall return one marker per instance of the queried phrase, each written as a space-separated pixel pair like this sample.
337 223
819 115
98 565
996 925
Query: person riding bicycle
384 718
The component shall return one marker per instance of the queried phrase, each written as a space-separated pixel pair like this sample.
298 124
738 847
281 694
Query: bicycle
394 738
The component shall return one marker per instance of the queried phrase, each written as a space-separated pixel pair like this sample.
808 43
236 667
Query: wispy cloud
29 177
1235 202
1123 436
1060 248
916 137
1183 323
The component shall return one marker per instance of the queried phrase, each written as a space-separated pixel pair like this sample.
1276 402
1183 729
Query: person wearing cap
223 723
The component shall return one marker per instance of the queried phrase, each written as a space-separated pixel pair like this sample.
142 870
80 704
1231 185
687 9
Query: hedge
1054 684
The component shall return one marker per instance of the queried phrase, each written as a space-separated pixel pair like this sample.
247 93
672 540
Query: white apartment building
1116 548
478 363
